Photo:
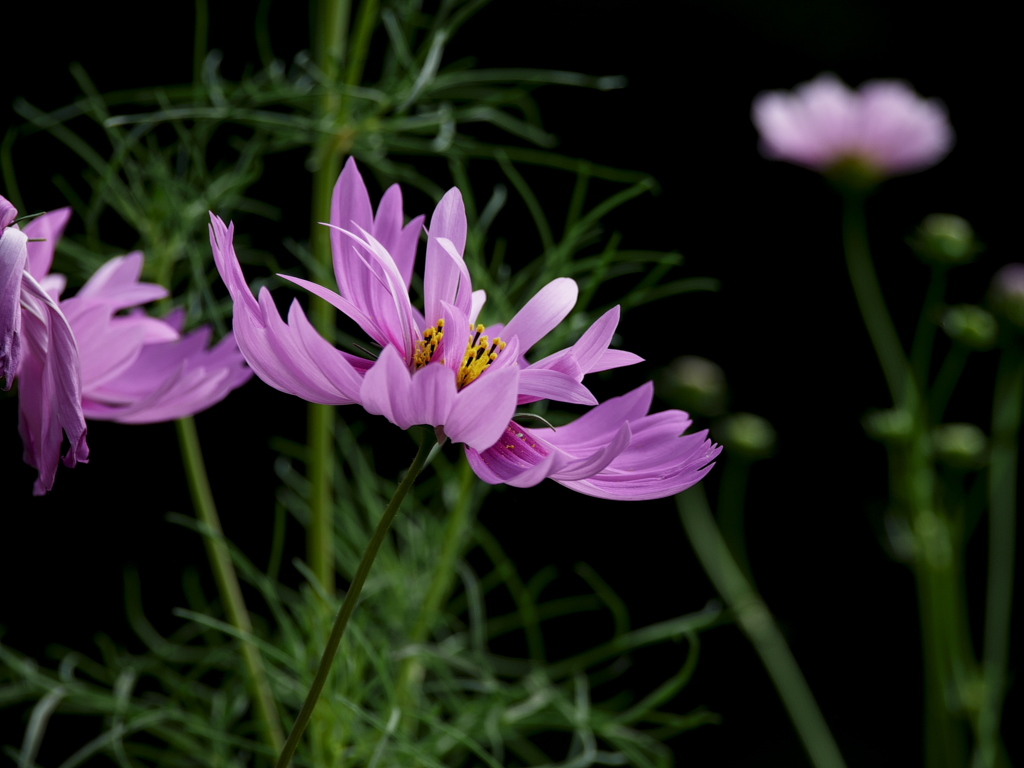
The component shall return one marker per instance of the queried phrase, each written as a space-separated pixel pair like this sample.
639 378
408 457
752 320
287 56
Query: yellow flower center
480 352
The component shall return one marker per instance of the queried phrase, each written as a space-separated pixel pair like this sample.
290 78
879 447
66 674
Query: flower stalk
227 579
1002 491
352 597
331 24
759 626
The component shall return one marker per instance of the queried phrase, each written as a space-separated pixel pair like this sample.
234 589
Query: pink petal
542 313
483 408
13 260
46 231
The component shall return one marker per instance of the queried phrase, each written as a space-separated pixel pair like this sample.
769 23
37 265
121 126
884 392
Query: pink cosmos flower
884 126
134 369
443 369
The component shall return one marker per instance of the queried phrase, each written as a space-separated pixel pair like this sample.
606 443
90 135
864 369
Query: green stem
351 597
872 305
329 35
1002 487
227 579
924 336
759 626
912 479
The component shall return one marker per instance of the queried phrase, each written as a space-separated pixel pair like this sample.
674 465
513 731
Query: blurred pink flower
884 127
134 369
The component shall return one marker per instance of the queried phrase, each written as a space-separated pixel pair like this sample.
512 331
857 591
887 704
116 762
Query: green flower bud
962 446
694 384
747 435
892 425
944 238
970 325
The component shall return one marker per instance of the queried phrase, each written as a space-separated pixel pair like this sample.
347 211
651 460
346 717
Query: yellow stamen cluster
426 346
480 353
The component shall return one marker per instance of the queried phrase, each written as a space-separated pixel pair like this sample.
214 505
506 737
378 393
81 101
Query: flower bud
747 435
943 238
970 325
1006 294
694 384
892 425
962 446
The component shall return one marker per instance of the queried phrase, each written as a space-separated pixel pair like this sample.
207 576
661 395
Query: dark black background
784 327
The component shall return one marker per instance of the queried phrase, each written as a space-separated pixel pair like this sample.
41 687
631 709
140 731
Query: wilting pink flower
884 127
440 367
48 365
135 369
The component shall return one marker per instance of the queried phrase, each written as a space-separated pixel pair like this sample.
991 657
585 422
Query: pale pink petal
51 373
13 259
43 233
543 312
117 284
538 384
483 408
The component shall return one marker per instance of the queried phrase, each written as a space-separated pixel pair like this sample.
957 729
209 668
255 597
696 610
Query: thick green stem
227 580
759 626
329 33
351 597
1002 492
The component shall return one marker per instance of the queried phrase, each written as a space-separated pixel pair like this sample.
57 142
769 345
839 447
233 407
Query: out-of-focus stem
872 305
227 580
759 626
912 479
329 31
352 597
924 336
1002 493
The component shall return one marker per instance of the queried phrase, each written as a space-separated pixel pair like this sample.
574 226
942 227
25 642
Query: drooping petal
53 378
13 259
292 358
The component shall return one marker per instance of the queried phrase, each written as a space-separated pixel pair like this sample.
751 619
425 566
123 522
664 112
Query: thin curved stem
227 579
872 306
759 626
351 597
